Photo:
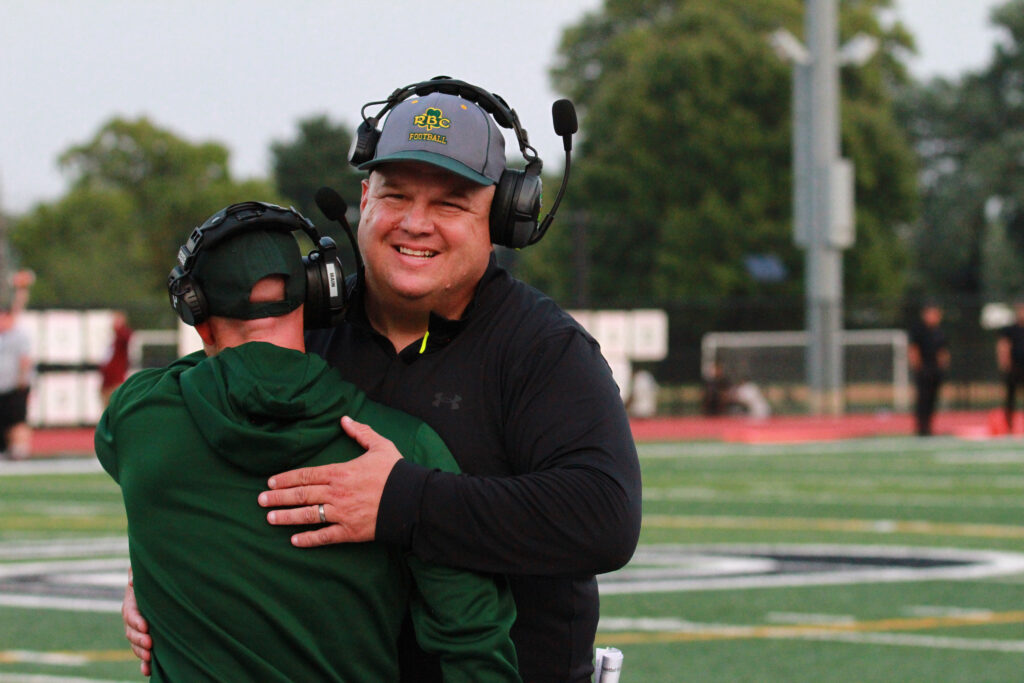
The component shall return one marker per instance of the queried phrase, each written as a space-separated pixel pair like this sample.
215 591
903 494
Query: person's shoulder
530 311
140 384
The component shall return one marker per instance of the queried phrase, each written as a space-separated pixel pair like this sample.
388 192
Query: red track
783 429
978 425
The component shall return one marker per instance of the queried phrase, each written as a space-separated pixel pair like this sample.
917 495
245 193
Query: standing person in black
1010 358
550 490
928 354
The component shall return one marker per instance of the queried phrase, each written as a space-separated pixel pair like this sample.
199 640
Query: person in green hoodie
191 445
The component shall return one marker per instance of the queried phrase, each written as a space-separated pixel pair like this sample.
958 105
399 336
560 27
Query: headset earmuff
365 143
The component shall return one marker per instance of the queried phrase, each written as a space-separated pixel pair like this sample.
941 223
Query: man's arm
914 357
465 619
575 510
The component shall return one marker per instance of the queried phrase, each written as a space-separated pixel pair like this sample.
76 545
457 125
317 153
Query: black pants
1011 379
927 381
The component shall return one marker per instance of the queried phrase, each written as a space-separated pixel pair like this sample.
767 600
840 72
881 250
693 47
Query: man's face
932 316
425 238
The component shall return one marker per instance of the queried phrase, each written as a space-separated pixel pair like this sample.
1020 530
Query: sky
244 72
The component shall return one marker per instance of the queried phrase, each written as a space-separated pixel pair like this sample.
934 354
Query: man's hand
349 492
135 628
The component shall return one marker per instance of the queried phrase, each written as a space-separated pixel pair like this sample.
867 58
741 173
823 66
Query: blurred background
125 124
780 549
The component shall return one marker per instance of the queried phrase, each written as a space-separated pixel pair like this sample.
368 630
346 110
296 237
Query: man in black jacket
928 355
550 494
1010 358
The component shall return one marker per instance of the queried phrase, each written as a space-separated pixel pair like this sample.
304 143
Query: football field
889 559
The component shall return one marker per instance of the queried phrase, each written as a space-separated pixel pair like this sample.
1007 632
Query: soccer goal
875 364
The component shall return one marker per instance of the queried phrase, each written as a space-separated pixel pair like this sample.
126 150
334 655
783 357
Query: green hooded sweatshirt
226 595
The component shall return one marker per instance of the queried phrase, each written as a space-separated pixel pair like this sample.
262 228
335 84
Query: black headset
325 282
517 199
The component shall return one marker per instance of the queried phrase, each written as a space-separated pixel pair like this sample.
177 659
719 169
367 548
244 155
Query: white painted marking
910 640
37 678
64 566
55 466
941 611
57 658
636 578
780 493
650 624
800 618
986 458
66 547
65 604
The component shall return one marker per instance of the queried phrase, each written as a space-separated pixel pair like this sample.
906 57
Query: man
1010 358
928 355
192 444
114 368
550 494
16 371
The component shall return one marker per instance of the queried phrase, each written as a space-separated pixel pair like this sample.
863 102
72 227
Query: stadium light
858 50
788 47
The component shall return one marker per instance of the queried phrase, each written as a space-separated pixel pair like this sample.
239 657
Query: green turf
903 492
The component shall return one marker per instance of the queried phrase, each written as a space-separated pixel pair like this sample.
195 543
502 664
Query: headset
326 298
517 198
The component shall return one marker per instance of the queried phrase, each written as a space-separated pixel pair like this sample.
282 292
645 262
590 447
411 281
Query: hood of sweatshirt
265 408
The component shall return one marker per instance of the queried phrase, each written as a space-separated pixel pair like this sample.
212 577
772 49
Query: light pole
822 191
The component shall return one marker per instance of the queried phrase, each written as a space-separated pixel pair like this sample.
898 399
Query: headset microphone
334 207
563 116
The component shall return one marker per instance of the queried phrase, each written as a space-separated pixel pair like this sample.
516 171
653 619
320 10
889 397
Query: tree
968 135
318 156
136 192
684 168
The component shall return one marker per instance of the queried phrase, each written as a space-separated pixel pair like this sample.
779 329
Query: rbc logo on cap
432 118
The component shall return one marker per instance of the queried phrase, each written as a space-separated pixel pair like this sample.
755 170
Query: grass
703 502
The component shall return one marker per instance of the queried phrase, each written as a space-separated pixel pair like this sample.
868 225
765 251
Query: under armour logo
444 399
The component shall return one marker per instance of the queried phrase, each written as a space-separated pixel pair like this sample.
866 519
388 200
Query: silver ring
323 516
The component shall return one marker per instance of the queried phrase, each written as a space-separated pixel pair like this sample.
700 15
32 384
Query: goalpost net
875 362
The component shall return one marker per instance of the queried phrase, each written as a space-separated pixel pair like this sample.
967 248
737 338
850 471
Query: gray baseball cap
446 131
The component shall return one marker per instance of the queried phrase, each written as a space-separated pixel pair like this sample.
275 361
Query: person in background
716 395
928 355
643 395
114 369
1010 359
16 373
191 444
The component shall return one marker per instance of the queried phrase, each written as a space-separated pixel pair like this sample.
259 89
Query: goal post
877 371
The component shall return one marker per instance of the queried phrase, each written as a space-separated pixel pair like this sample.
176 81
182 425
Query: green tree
684 167
136 192
968 135
317 157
